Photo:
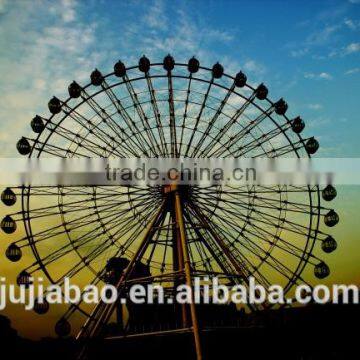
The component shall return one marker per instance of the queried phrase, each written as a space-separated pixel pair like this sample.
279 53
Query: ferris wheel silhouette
166 235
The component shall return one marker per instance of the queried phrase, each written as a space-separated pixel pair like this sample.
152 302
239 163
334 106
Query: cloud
325 76
219 35
354 1
156 18
318 122
352 71
352 48
39 64
352 24
318 76
177 33
314 106
328 30
64 10
254 67
321 37
299 52
345 50
69 13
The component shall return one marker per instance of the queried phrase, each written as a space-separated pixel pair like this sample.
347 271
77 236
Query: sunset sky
307 52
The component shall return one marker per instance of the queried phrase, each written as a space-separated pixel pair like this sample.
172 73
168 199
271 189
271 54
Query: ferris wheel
160 110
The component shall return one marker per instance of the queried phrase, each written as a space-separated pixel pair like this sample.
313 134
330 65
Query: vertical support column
178 261
182 238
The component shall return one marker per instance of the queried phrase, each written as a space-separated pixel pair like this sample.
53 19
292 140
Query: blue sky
306 51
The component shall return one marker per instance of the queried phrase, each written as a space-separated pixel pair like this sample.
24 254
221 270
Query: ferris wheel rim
145 76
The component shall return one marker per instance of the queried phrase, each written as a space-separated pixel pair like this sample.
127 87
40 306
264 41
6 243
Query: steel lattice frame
235 232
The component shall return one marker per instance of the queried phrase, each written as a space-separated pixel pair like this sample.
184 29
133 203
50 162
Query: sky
305 51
